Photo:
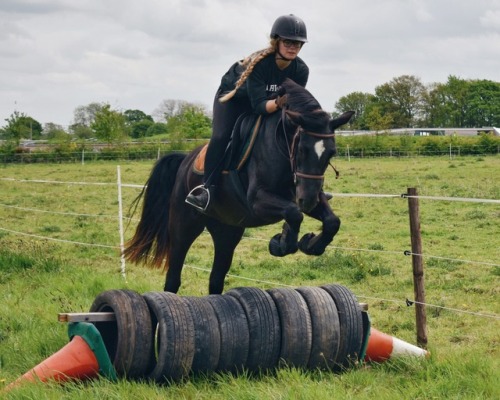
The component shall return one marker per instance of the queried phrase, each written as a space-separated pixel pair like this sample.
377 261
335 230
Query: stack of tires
162 336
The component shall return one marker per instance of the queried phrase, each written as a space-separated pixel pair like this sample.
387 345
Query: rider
252 85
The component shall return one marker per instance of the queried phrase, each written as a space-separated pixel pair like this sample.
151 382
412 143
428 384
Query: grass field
41 277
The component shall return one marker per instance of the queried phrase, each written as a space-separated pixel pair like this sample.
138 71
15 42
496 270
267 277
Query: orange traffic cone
84 357
381 347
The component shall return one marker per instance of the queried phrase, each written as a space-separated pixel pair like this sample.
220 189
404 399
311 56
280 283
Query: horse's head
313 142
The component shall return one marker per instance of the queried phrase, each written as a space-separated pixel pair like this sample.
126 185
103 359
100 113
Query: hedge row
349 146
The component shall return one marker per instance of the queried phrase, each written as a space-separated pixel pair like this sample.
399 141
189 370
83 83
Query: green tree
358 102
455 102
140 128
55 132
433 106
402 100
191 122
157 128
81 131
483 104
133 116
375 120
109 125
138 122
21 126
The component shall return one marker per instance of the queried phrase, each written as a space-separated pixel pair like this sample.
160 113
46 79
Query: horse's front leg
316 244
271 207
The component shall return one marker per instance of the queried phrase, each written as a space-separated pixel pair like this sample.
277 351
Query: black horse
282 179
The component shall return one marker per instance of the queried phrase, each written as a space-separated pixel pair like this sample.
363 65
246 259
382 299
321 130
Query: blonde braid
249 64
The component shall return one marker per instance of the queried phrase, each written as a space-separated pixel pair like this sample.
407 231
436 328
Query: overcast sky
56 55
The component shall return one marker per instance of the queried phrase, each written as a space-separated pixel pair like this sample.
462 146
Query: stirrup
191 193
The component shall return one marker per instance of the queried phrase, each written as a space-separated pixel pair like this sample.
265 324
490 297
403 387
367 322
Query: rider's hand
281 100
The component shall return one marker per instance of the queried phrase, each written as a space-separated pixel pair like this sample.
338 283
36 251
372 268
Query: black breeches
224 118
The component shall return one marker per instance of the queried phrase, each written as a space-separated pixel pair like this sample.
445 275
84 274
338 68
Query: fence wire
406 301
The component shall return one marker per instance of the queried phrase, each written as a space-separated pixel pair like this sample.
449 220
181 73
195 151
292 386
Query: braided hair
249 63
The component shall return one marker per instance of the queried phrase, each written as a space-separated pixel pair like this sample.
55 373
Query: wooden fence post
418 267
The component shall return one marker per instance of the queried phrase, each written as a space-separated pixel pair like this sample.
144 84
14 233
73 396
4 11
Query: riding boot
200 196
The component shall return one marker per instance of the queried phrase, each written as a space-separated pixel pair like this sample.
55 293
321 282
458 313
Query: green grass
40 278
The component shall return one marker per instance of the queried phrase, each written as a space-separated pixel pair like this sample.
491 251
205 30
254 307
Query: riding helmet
289 27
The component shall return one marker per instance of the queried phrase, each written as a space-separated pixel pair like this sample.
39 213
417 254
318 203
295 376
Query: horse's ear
341 120
295 117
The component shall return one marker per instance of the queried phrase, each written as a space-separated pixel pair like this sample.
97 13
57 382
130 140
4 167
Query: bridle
292 151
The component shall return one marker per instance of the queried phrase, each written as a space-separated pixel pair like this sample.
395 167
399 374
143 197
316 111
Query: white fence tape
121 185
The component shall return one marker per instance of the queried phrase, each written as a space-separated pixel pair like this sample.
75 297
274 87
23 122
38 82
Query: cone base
381 347
74 361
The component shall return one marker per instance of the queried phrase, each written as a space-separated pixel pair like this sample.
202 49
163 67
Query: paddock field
59 241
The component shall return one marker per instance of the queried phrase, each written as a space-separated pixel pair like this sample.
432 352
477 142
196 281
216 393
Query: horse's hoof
278 246
306 248
275 246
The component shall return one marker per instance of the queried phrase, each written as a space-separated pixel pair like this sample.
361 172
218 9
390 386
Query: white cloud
491 19
56 55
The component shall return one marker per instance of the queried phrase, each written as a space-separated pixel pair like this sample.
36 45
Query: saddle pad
239 155
199 162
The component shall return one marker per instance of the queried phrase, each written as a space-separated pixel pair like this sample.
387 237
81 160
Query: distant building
428 132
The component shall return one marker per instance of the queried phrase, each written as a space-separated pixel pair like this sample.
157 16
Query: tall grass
40 278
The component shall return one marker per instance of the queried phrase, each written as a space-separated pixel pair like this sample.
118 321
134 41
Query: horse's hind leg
183 233
225 238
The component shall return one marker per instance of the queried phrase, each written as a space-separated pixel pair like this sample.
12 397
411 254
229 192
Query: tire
234 334
263 325
128 339
206 335
351 324
325 327
173 329
296 328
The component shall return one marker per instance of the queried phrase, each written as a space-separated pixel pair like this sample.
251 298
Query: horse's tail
151 236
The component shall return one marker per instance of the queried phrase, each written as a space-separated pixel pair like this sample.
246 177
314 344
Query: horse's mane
300 100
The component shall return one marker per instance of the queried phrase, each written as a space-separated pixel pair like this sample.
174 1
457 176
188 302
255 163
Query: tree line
175 119
404 102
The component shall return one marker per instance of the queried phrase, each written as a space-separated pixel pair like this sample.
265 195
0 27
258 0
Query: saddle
238 150
235 157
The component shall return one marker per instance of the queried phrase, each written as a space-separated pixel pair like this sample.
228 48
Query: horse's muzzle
307 193
306 205
307 200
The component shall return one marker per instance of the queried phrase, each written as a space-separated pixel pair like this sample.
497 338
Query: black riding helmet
289 27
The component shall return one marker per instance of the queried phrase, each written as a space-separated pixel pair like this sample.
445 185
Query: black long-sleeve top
264 80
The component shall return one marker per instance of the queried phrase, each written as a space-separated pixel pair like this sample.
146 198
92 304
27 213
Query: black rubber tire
128 339
296 328
206 335
325 327
173 329
351 324
263 325
234 334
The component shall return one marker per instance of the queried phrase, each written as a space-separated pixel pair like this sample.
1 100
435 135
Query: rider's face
289 48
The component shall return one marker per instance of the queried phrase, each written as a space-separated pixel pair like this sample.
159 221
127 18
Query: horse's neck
275 139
